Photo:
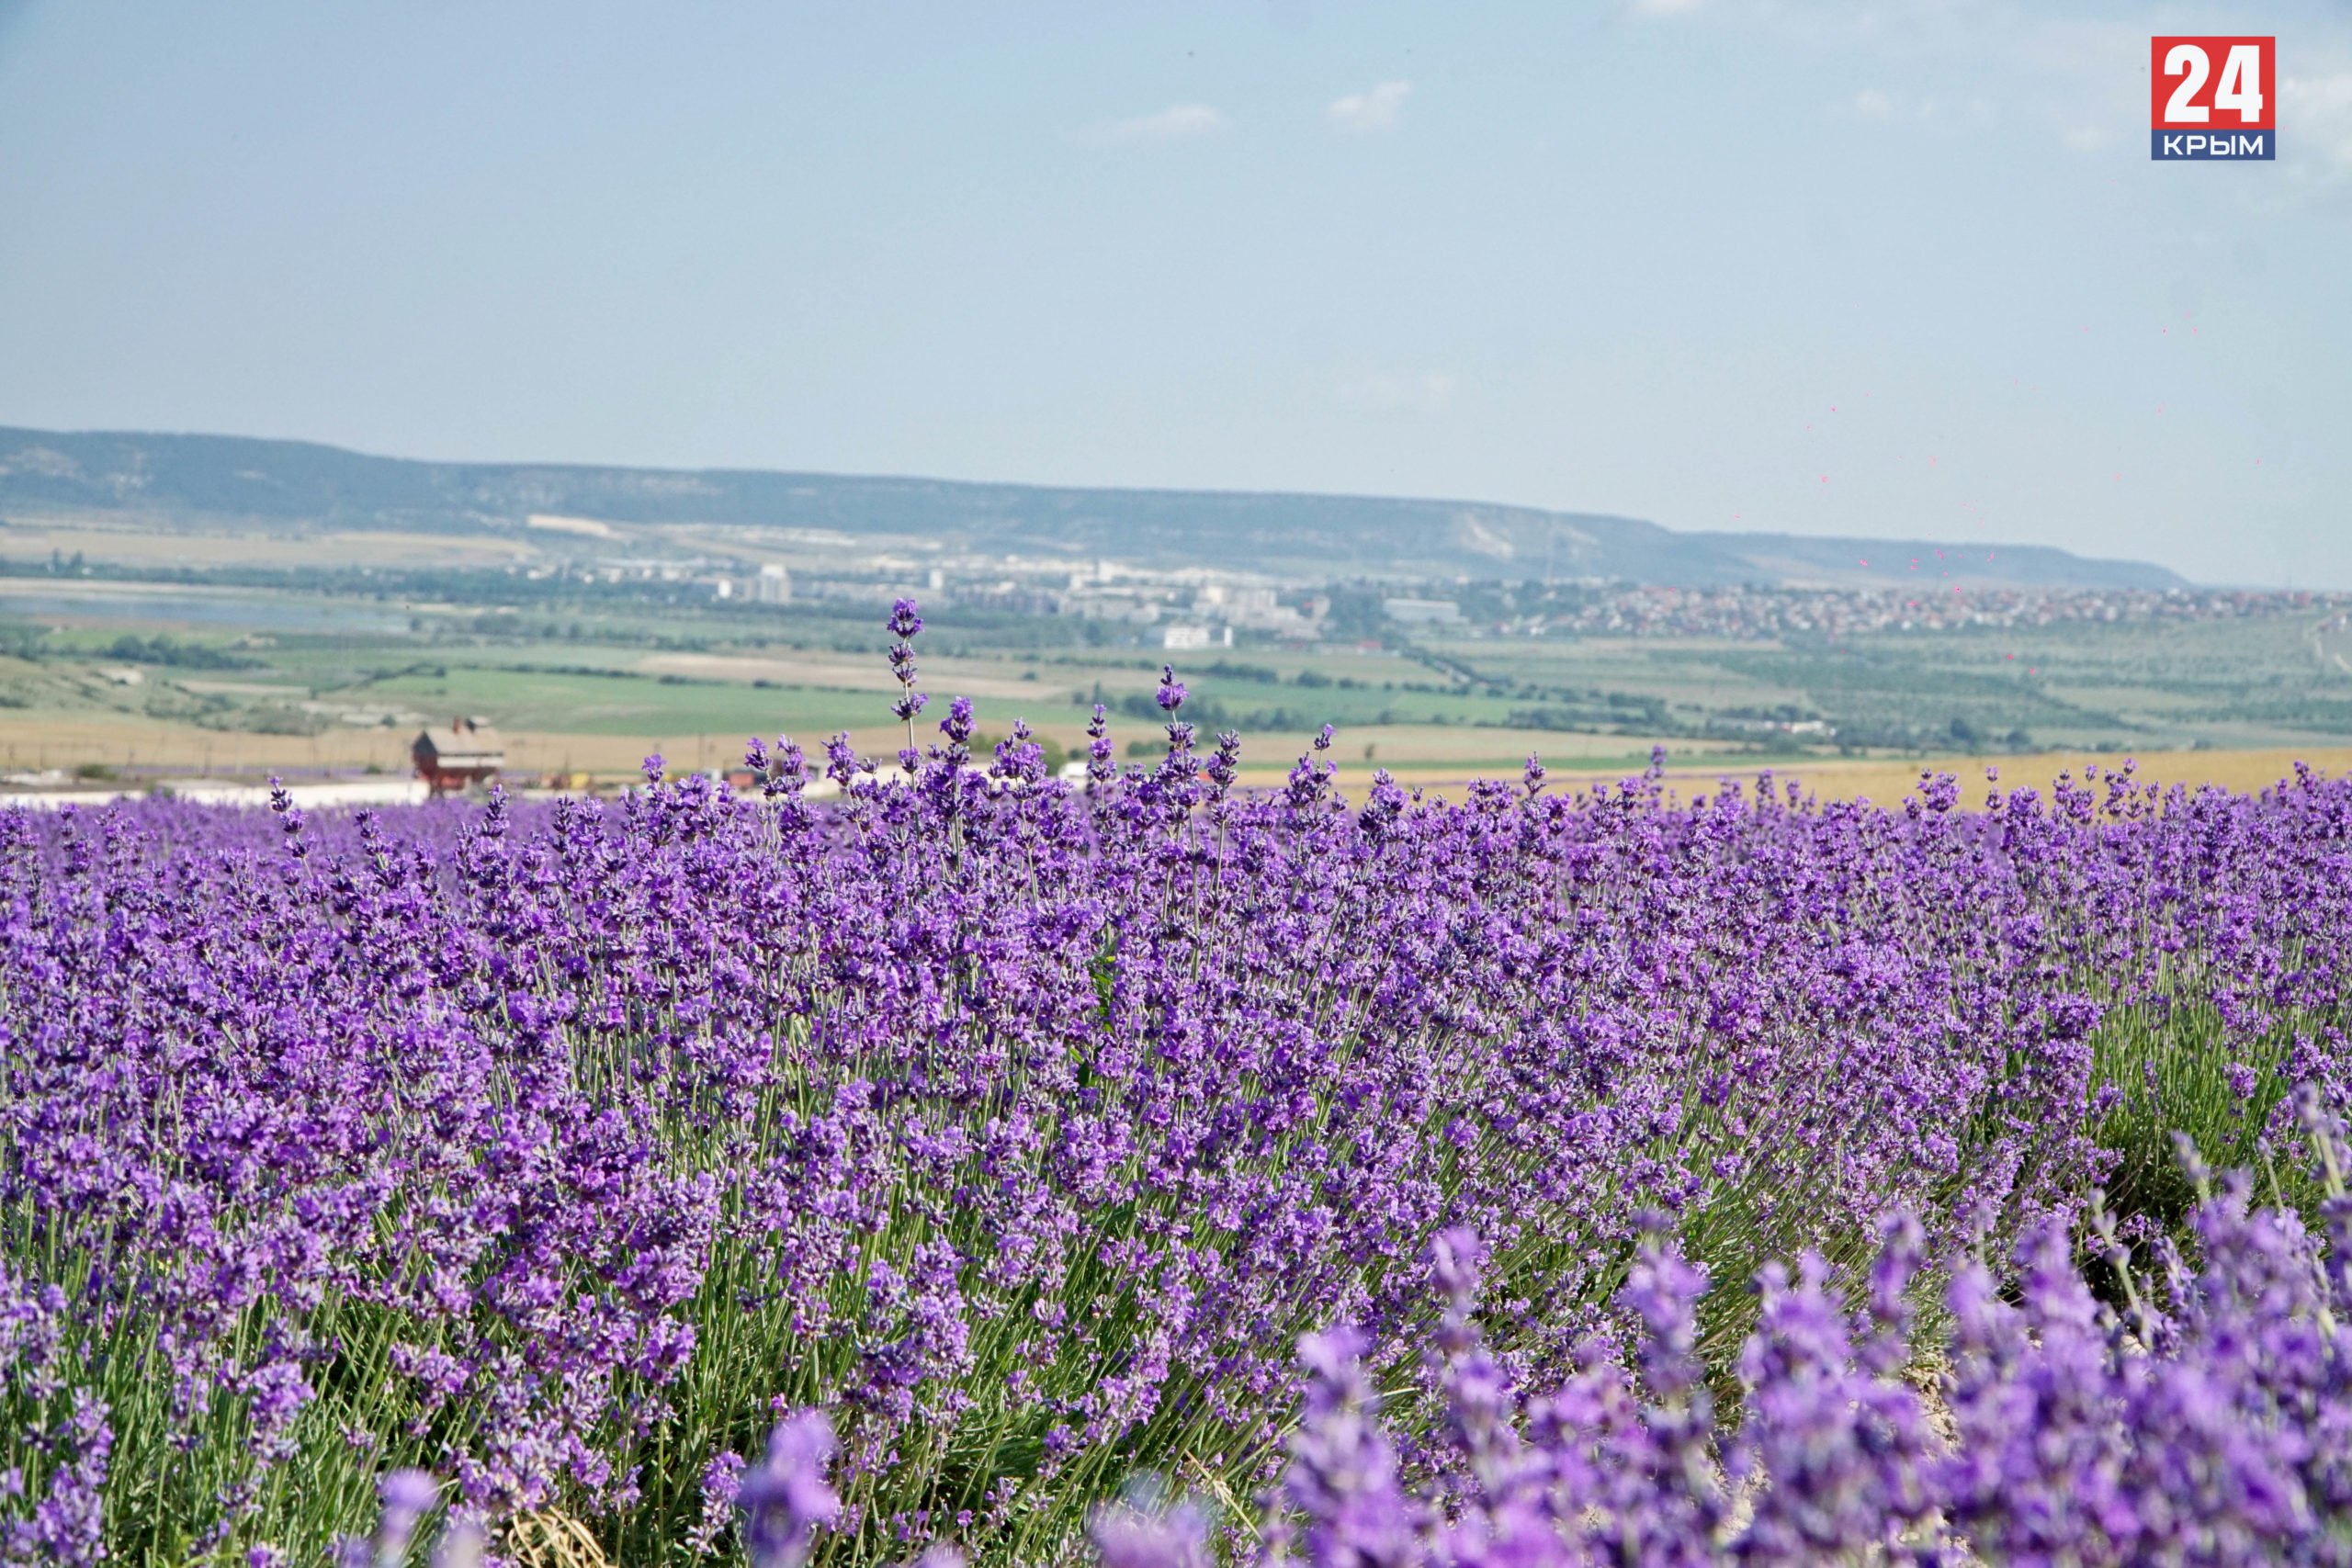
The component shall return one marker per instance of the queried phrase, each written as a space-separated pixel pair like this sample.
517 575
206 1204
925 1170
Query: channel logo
2212 97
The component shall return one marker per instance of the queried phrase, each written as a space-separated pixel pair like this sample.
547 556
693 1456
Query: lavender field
1157 1173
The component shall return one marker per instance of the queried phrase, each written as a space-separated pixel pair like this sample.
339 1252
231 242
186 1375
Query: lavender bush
562 1151
2206 1423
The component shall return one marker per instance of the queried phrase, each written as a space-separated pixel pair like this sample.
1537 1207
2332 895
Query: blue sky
1893 269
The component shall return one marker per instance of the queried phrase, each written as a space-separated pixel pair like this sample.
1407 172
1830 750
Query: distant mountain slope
213 480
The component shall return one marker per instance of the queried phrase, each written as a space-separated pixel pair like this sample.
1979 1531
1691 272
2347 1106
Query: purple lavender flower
1100 769
1126 1536
786 1499
463 1544
1031 1131
403 1498
784 771
66 1526
842 760
958 724
1019 758
903 625
1224 762
1342 1480
407 1496
722 1480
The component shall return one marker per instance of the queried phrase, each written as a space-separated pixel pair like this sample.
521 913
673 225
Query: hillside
215 481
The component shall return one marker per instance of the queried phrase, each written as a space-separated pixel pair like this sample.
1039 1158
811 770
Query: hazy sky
1725 263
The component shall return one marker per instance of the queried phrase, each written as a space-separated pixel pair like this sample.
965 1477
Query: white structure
1197 637
1240 602
1109 605
1423 612
384 791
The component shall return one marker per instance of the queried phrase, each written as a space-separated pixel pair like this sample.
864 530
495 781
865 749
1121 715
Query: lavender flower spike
786 1499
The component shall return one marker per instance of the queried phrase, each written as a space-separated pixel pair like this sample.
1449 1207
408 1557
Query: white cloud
1959 66
1425 392
2318 108
1374 111
1882 107
1177 122
2080 79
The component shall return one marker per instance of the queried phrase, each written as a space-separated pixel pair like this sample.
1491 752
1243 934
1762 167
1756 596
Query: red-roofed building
467 753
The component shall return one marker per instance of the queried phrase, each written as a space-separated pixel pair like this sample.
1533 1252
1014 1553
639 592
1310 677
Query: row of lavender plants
1006 1142
2204 1422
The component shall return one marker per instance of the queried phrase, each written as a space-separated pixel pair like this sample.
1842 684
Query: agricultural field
1157 1171
137 679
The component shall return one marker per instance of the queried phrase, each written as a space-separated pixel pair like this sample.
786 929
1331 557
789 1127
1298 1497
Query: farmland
151 679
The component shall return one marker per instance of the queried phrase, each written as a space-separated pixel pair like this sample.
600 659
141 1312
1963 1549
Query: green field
243 678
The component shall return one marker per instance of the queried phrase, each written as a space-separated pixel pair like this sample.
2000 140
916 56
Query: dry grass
549 1539
38 739
2245 770
1434 757
129 544
1884 780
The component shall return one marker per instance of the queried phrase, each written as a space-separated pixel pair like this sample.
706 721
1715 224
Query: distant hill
216 480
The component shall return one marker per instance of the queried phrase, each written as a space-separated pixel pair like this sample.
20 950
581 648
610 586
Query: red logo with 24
2212 97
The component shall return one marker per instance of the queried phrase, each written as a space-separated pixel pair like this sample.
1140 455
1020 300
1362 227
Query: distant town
1203 607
